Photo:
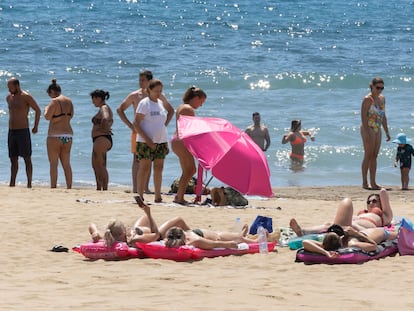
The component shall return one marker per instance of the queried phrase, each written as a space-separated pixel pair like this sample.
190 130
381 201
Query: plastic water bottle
237 225
262 240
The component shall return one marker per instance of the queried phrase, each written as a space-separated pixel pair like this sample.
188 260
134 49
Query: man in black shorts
19 141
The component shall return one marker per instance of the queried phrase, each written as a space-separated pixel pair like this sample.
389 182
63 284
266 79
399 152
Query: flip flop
59 249
185 203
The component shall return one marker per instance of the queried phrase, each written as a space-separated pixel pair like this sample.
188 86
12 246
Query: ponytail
115 232
101 94
54 87
193 92
175 237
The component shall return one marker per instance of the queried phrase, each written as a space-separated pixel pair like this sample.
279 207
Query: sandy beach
33 278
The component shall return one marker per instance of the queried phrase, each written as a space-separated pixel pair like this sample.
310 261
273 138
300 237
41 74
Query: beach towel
349 255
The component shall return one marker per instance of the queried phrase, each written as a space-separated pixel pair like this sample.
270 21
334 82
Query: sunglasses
372 201
379 88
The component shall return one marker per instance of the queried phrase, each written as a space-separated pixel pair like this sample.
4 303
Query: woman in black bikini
209 239
102 137
145 230
59 140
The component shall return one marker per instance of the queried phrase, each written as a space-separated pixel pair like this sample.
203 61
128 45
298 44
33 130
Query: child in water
404 153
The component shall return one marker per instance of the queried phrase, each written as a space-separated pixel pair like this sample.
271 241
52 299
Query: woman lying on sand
377 214
208 239
145 230
338 237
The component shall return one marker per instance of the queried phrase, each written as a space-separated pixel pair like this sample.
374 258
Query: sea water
309 60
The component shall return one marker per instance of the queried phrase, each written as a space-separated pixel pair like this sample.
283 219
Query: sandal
377 187
181 202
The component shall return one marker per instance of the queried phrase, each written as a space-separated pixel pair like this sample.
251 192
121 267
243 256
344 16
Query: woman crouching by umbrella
193 98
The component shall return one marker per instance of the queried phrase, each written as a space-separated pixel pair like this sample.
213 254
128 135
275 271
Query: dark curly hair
101 94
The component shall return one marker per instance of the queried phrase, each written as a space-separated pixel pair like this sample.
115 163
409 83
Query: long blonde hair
115 232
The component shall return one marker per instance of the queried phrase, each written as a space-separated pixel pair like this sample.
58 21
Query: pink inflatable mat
117 251
157 250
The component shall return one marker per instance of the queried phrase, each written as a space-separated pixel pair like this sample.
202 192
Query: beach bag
227 196
405 240
217 197
190 188
234 198
265 222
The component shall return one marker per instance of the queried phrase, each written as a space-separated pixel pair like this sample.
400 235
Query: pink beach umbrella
229 153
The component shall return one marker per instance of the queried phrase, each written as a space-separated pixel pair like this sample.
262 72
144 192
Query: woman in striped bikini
59 112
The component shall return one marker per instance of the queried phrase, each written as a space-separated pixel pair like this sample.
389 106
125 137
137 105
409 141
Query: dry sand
32 278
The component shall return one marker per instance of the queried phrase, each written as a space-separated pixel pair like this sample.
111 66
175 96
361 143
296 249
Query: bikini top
299 139
62 113
374 210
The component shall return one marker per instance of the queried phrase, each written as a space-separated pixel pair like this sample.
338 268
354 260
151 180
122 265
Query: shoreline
325 193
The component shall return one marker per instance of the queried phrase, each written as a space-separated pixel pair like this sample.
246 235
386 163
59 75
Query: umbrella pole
199 185
199 191
205 186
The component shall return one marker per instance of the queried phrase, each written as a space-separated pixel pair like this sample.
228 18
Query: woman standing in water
297 139
102 138
372 117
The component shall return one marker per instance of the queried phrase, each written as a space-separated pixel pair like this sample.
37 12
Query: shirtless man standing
19 140
133 99
259 133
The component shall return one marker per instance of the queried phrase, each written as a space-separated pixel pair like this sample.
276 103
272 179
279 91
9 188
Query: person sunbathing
206 239
377 214
144 230
338 237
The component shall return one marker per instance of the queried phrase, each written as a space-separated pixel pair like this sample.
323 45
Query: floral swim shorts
146 153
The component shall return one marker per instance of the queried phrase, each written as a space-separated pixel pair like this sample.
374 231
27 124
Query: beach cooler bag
405 238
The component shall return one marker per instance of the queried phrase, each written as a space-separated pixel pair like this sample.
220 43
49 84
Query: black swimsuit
62 113
199 232
109 137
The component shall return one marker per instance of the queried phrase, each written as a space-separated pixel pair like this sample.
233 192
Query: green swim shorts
146 153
